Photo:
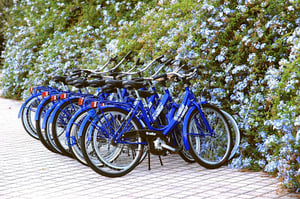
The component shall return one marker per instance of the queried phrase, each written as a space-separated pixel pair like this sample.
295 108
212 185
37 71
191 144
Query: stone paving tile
30 171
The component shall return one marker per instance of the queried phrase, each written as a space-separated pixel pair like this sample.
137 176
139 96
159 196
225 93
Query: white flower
251 58
291 8
242 8
243 27
226 11
298 135
260 32
220 58
297 121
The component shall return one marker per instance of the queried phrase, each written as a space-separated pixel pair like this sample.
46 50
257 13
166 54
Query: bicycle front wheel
209 137
117 158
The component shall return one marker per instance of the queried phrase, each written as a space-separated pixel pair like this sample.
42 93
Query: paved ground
28 170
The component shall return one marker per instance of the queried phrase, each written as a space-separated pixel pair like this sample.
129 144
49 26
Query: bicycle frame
187 106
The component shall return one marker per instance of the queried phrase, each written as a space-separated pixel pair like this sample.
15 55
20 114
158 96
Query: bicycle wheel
60 122
49 135
75 141
184 154
44 107
236 134
118 158
210 149
28 114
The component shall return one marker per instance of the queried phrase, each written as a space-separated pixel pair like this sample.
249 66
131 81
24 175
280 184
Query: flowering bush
250 49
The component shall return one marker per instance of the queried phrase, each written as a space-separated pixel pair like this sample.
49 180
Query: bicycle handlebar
141 70
112 59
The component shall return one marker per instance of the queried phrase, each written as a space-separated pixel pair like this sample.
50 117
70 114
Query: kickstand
161 163
149 168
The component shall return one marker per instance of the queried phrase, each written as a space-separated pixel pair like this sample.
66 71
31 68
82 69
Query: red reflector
102 104
31 89
63 96
45 94
80 101
53 98
94 104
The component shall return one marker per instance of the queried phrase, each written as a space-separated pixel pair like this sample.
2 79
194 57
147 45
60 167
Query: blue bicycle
116 136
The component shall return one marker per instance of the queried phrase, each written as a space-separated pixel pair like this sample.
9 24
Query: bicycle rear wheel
75 146
210 149
60 122
49 135
44 107
184 154
28 114
236 134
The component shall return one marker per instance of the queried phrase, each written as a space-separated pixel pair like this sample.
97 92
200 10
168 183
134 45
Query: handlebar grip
58 79
113 73
128 54
168 62
114 58
139 62
159 58
86 71
76 70
190 70
77 73
93 75
164 76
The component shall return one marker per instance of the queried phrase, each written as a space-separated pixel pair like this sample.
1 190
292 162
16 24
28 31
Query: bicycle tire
75 147
44 106
236 134
27 116
60 120
111 157
49 135
202 146
183 153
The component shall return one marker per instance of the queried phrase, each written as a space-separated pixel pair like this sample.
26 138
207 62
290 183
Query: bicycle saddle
70 80
108 88
114 83
133 84
80 83
94 75
58 79
96 82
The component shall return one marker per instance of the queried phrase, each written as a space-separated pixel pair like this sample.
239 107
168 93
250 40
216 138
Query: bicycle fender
57 107
48 114
184 130
73 118
23 105
39 108
91 114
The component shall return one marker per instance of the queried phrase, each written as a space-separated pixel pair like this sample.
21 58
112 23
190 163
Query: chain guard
153 138
154 143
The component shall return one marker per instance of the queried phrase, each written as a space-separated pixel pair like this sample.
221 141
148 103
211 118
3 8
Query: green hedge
249 47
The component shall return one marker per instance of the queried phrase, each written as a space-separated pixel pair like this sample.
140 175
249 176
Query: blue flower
271 167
